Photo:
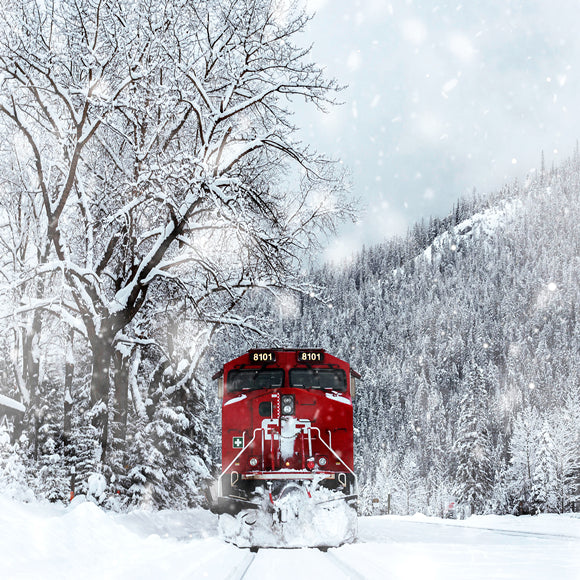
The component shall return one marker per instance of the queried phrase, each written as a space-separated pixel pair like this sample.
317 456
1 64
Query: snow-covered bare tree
158 150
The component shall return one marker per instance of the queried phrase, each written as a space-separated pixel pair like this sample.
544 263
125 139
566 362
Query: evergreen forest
467 334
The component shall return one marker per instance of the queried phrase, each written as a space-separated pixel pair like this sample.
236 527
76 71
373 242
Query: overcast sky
442 98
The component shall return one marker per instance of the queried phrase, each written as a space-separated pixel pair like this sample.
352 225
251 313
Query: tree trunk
69 369
31 375
103 351
69 455
121 383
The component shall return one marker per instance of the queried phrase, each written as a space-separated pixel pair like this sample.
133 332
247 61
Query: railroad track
244 570
345 568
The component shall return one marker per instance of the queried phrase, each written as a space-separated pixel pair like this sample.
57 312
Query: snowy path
405 548
46 542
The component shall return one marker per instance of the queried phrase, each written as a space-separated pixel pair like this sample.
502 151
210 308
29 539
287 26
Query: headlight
322 461
253 461
287 404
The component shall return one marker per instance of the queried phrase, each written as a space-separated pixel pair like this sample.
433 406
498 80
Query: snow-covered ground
81 541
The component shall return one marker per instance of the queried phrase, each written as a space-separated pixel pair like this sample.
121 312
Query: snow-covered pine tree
14 467
377 495
410 497
523 454
564 432
474 477
573 473
544 486
169 451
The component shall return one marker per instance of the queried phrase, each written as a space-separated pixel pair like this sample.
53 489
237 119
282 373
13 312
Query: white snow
236 400
339 398
82 541
288 433
472 230
300 520
97 485
12 404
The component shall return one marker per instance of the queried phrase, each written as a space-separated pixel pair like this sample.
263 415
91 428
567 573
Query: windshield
334 379
247 379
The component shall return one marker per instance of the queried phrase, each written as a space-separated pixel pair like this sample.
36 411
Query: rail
224 471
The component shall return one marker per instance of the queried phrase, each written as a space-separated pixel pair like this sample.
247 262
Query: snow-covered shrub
14 468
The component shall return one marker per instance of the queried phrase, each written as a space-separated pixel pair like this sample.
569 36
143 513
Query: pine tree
544 492
563 431
14 467
474 477
170 451
411 492
523 450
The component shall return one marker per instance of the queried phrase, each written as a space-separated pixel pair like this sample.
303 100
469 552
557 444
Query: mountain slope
492 298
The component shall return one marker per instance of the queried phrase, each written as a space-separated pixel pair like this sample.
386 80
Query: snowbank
82 541
49 541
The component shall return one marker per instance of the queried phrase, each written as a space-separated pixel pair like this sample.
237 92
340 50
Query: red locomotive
287 423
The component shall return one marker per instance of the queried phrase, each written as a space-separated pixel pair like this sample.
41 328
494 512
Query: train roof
221 371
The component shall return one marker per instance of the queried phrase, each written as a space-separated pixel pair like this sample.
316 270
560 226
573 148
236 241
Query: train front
287 449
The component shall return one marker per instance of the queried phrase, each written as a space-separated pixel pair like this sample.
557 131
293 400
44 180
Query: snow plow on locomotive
287 449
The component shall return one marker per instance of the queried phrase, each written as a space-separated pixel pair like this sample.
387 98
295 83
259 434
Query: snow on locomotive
287 449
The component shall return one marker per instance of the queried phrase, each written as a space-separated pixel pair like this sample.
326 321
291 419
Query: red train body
287 418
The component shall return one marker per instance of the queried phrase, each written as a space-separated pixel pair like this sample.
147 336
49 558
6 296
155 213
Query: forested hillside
467 334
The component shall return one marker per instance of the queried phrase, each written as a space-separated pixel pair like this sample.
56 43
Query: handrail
235 459
333 452
310 428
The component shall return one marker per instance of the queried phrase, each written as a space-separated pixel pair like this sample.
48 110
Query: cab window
250 380
331 379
